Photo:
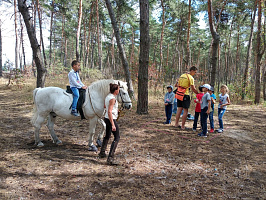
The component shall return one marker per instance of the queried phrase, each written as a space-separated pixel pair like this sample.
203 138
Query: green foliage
173 44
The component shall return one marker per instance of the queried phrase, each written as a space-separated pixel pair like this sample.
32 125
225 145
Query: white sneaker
194 129
220 130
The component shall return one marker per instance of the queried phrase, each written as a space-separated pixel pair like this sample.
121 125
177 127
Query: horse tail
35 115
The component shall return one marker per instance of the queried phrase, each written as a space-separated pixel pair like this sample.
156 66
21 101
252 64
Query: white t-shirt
223 100
115 107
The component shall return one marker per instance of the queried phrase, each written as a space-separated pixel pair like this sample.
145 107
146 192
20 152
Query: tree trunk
22 43
215 45
162 34
65 54
78 30
1 66
264 82
99 37
51 34
259 56
237 50
120 47
41 36
89 35
132 48
113 52
188 36
84 40
142 107
246 73
62 38
41 71
16 34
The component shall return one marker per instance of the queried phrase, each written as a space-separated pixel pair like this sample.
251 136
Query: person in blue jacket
168 102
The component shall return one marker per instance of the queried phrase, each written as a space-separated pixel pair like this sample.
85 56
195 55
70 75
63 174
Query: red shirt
199 97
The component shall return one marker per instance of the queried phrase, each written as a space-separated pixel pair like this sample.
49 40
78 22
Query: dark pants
196 117
109 130
168 113
204 117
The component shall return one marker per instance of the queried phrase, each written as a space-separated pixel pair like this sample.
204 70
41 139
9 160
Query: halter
123 102
121 111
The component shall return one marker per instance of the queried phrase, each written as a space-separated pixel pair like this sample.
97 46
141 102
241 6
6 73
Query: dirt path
157 161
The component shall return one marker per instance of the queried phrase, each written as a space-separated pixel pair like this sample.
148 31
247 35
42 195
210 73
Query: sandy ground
157 161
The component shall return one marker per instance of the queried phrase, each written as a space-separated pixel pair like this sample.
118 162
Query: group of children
205 101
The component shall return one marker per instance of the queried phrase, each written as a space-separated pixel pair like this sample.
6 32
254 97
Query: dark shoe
102 155
112 161
202 135
75 113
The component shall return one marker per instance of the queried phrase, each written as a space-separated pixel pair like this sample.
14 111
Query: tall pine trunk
1 66
16 34
259 52
41 71
78 30
188 62
41 36
162 34
120 47
215 44
51 33
246 73
89 35
142 107
99 36
22 43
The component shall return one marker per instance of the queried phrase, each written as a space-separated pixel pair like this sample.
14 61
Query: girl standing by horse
111 114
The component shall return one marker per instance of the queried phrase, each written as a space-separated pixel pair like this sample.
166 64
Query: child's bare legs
178 113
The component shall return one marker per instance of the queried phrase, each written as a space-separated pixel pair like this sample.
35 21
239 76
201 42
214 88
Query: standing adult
111 114
185 81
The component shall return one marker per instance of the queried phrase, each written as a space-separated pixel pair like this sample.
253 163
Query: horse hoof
40 144
93 148
59 142
99 143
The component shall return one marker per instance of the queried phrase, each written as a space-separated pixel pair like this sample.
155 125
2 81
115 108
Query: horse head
123 96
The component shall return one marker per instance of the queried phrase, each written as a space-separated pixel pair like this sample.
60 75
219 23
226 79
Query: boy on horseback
75 85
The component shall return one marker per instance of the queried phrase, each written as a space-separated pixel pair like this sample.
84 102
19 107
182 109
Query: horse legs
50 126
93 122
101 134
37 123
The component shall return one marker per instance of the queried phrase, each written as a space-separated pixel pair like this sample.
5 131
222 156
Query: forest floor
157 161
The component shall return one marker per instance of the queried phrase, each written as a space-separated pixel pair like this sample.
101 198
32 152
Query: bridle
123 101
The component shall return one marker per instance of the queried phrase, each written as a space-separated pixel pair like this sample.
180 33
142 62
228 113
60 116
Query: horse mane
103 85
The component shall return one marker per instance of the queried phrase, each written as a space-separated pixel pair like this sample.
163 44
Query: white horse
53 101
